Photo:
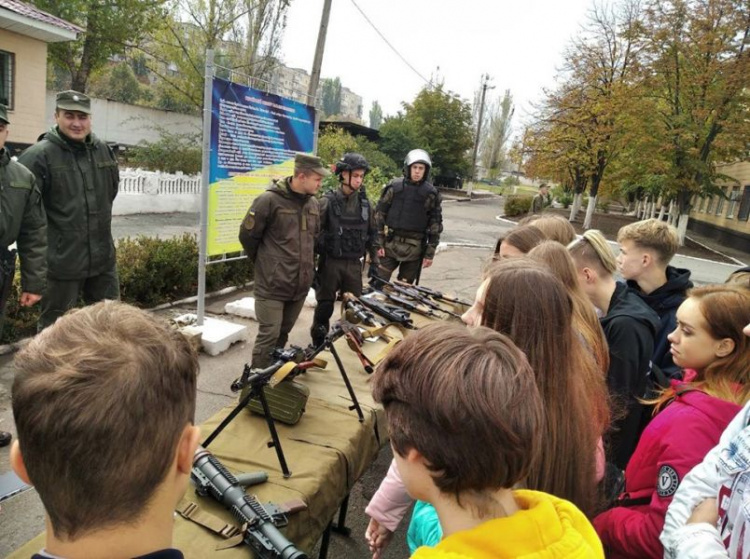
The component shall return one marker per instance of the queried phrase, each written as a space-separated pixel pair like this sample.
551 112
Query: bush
511 180
152 271
563 196
517 204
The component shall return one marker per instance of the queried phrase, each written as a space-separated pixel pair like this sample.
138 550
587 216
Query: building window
7 68
734 196
710 205
720 203
744 204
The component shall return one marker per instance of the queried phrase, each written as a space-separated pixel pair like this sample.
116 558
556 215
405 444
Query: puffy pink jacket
677 439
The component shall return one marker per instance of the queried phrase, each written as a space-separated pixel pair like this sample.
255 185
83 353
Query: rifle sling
191 511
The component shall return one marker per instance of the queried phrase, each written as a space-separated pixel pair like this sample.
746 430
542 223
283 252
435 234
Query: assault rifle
438 295
391 313
260 523
409 306
407 290
359 311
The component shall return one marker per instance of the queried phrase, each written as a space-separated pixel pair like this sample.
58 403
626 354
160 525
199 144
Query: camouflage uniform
409 219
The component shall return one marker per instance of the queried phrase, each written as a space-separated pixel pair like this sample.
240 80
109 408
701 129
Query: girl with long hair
522 299
715 356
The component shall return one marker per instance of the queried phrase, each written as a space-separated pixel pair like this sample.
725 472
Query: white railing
138 181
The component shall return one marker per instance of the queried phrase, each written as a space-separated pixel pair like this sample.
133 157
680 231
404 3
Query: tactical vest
407 211
346 233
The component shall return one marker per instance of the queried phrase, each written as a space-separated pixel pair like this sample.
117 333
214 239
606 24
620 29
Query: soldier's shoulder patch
249 221
668 481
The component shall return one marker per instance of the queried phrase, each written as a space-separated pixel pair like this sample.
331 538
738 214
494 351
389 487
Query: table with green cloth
327 452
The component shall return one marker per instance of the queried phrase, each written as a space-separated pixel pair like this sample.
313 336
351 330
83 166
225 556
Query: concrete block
216 335
244 307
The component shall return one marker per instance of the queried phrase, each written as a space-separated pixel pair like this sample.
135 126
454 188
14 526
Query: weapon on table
391 313
409 306
438 295
259 522
359 311
410 291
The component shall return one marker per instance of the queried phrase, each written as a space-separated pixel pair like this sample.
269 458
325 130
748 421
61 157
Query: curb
15 346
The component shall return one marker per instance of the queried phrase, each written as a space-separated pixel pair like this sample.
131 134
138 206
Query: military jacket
79 182
22 222
279 234
410 210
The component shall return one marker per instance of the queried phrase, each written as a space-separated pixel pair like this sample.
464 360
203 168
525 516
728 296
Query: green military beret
307 162
4 114
73 101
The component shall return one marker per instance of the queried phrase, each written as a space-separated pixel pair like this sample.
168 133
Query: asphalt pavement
470 231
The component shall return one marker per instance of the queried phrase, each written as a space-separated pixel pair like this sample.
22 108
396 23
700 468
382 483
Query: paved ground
457 269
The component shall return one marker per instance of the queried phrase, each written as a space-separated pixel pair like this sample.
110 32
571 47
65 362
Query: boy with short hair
104 405
464 415
646 248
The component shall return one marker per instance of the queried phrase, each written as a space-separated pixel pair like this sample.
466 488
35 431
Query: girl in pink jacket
708 344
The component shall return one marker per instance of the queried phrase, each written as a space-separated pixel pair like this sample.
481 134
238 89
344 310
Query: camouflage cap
73 101
4 114
307 162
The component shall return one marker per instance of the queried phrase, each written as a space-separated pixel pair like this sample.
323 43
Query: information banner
254 136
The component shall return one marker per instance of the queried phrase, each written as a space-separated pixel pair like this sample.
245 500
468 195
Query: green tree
399 135
376 115
697 77
495 134
331 93
171 153
334 142
118 84
111 28
443 119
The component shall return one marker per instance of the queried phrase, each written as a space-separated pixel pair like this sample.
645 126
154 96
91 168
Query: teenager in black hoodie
629 326
646 248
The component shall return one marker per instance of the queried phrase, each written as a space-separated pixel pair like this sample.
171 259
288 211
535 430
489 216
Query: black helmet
417 156
350 162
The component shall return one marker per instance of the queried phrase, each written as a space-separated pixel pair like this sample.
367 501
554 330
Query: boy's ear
725 347
17 463
189 441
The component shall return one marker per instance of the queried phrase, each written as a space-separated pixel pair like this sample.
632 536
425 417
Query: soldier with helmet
409 219
347 233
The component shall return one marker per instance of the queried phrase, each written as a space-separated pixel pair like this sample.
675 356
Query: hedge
152 271
517 204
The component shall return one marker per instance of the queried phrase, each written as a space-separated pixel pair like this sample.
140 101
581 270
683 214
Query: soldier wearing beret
78 176
22 222
279 234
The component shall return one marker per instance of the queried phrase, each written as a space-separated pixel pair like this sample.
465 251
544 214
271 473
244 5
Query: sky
519 43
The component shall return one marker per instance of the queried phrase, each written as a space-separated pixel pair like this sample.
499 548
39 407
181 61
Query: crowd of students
576 416
637 380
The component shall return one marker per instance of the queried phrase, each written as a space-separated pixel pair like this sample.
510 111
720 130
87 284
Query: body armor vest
407 211
346 233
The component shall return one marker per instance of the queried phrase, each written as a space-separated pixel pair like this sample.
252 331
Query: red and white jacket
723 475
677 439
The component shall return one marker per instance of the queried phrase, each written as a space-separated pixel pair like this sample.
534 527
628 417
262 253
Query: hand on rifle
426 262
381 253
378 537
29 299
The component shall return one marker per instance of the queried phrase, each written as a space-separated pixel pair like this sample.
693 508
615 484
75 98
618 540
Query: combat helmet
350 162
417 156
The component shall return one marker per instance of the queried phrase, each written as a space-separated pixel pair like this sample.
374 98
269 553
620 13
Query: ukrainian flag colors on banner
254 136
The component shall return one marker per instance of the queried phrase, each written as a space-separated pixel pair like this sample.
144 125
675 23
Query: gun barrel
262 535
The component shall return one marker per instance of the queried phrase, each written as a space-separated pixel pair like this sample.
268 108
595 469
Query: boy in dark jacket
646 248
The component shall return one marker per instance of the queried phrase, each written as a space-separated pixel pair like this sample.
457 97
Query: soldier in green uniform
347 233
278 235
409 219
22 222
78 176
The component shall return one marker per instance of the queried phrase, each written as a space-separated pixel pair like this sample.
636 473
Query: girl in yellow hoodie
464 415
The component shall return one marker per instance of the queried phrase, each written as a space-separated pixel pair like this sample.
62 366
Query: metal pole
479 129
312 90
203 249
